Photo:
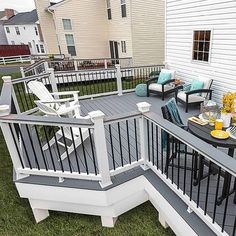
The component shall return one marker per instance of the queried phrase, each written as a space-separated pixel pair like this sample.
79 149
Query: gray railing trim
139 67
33 66
120 117
19 80
84 71
43 120
221 159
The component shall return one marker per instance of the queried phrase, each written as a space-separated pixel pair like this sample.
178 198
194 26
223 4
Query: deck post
143 107
22 72
105 64
45 66
6 131
53 81
75 64
97 118
119 79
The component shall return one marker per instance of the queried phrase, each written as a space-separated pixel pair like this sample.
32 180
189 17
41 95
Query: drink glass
212 118
219 124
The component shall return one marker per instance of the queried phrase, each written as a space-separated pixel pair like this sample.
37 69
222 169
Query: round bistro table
203 132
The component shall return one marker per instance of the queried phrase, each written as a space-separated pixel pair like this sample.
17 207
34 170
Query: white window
70 44
17 30
109 16
123 46
67 24
123 8
8 30
201 45
36 30
42 48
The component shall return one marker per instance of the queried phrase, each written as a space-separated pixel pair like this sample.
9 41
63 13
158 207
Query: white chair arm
63 100
67 110
65 93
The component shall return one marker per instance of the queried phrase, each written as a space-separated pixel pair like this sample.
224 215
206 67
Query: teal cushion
163 77
186 87
196 84
141 90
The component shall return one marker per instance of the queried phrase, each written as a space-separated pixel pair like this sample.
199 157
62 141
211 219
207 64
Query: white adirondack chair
74 136
60 105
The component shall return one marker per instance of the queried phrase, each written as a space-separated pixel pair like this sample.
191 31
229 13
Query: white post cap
95 115
144 107
6 79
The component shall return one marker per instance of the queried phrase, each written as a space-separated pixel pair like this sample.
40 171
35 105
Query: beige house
105 29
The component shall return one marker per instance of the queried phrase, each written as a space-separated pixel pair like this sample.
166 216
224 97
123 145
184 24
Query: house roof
2 14
24 18
55 5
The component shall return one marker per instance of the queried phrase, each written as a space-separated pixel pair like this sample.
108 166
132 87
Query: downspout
54 21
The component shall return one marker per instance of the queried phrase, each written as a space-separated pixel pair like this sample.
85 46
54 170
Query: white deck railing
15 59
142 132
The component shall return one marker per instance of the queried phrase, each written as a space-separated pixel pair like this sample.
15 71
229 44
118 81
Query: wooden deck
114 105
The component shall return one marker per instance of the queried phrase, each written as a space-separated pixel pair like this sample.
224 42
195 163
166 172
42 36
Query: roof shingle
23 18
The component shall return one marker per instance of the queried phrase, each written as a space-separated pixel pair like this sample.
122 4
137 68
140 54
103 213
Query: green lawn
16 217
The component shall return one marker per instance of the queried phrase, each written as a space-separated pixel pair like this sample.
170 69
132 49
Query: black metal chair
199 161
160 89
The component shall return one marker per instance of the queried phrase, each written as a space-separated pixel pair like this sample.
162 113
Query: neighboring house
104 28
201 41
4 16
24 28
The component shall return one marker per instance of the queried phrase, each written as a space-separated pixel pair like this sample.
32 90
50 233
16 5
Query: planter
226 117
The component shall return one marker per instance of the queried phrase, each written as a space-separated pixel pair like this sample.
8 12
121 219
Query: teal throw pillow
186 87
163 77
196 84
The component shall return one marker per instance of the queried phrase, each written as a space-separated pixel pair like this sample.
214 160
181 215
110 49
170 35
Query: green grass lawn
16 217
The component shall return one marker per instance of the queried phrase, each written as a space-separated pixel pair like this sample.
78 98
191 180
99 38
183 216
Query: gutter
50 10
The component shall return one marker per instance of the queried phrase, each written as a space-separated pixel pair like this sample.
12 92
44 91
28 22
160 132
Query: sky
18 5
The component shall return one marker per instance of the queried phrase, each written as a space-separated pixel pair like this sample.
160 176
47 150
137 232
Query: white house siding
89 27
3 38
182 17
27 34
148 22
47 26
120 28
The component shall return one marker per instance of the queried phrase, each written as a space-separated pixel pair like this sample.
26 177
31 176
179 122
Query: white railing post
53 81
22 72
4 62
143 107
105 64
21 60
5 110
97 118
119 80
46 66
75 65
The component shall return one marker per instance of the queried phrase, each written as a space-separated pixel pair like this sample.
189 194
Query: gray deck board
115 105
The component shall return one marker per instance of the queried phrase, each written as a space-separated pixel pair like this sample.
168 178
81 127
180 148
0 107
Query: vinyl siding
89 27
3 38
120 28
184 16
148 22
47 26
